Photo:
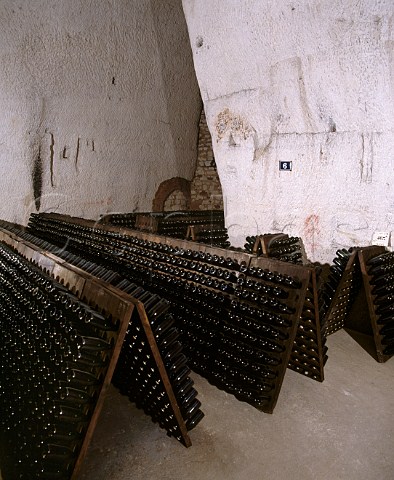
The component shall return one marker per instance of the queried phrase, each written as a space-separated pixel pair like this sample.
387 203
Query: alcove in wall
204 191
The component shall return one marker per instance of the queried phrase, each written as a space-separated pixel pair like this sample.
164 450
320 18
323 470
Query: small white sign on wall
381 238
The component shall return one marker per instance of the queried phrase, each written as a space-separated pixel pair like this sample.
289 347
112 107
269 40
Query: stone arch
166 188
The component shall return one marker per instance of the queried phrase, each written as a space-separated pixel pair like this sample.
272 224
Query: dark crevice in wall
37 179
52 151
77 153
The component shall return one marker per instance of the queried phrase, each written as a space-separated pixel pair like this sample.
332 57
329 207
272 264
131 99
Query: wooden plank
190 235
163 373
297 271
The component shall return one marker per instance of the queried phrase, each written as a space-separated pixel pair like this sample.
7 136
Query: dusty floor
342 428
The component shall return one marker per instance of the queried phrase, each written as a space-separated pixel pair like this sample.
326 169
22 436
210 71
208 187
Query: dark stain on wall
37 179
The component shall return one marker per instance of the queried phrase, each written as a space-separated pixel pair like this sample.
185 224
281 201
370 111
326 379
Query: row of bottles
223 308
279 246
125 220
249 245
55 353
216 237
286 249
174 224
99 271
210 223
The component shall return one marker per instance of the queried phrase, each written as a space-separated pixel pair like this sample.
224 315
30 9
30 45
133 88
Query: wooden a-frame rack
120 306
353 307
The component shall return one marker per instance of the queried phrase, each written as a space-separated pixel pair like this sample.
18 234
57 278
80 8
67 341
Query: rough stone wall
308 82
206 191
98 104
175 201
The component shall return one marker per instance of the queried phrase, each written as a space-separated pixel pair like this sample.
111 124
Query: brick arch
166 188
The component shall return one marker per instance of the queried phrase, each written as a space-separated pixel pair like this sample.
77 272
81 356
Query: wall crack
366 159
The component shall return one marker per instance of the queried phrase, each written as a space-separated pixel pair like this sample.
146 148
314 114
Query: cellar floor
342 428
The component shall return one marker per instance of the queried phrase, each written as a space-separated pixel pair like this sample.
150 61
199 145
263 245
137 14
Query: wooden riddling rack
162 325
120 307
364 318
309 353
147 337
121 237
225 343
353 305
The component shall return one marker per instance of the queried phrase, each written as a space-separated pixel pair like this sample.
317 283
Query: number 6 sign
285 166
